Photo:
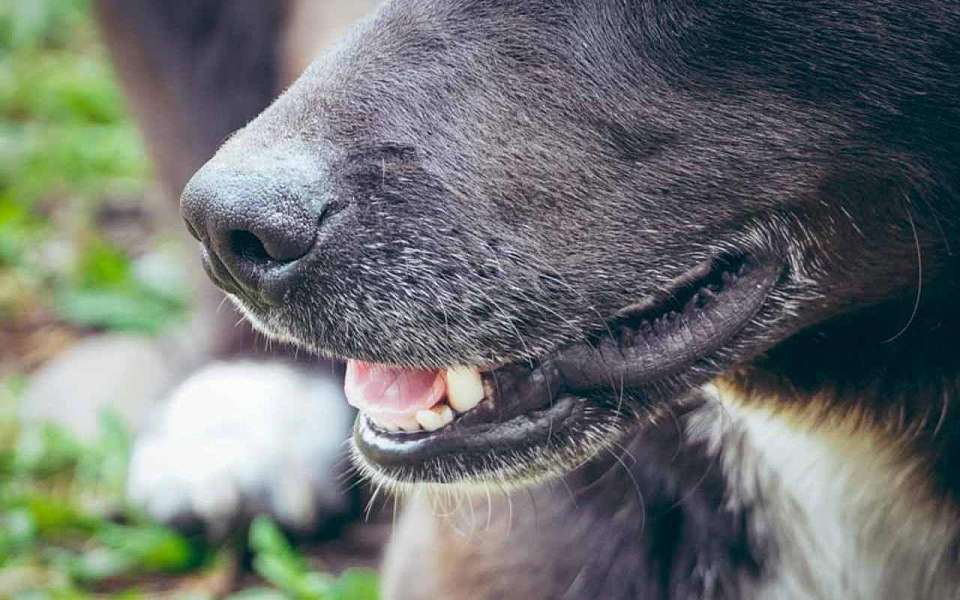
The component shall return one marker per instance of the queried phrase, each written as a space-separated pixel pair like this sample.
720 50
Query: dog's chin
524 422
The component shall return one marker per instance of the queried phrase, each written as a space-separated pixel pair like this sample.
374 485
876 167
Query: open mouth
411 421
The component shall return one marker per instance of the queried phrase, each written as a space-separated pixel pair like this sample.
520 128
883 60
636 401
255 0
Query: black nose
254 226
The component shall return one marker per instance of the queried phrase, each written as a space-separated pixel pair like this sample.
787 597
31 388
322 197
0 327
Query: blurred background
79 247
92 264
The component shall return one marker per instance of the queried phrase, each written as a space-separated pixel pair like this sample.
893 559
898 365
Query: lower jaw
534 447
526 434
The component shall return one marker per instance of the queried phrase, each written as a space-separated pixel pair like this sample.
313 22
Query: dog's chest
740 504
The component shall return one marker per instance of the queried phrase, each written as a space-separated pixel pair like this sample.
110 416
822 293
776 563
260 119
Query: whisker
916 302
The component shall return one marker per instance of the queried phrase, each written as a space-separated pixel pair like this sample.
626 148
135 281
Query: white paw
241 438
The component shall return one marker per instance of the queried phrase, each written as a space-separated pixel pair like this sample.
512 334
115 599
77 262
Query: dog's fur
499 177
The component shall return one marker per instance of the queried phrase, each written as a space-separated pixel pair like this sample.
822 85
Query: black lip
398 452
643 346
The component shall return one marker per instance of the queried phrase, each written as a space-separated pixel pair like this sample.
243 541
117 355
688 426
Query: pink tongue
384 390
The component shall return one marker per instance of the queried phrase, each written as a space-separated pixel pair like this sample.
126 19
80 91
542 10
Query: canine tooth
435 418
464 388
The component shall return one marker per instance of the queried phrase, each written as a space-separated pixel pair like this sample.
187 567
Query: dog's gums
412 417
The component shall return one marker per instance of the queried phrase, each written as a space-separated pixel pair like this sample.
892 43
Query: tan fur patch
848 503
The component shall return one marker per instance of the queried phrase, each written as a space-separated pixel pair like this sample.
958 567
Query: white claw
435 418
464 388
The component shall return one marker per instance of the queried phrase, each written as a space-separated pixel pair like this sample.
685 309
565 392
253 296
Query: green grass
66 533
64 528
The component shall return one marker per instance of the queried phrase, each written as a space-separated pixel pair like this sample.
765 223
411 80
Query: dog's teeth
464 388
408 424
383 424
435 418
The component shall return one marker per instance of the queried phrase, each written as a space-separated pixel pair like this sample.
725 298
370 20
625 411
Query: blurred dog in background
244 429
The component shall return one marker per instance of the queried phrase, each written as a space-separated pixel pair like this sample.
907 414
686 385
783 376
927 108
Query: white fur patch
242 438
850 513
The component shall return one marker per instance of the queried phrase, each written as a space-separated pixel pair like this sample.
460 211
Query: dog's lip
645 344
466 435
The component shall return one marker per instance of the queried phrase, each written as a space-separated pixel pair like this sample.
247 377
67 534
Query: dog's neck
733 496
647 519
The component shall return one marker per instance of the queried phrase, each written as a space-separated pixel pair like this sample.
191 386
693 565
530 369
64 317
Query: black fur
650 519
479 149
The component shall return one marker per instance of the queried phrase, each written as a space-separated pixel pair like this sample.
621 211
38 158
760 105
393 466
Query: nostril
253 223
248 246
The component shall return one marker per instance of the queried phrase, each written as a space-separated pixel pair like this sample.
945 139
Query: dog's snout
253 225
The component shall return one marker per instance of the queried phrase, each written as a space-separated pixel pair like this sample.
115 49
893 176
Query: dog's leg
237 439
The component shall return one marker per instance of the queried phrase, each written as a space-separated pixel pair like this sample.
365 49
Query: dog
639 299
